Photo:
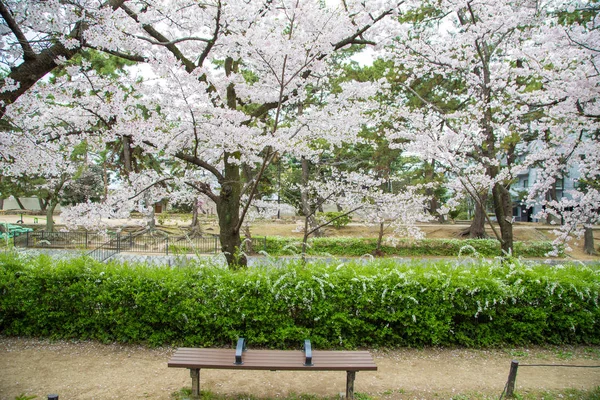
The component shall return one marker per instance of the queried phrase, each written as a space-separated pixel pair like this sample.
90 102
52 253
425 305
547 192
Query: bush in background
338 219
357 247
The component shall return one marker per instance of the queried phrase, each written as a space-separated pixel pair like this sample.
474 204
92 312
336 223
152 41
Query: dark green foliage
357 247
338 219
336 306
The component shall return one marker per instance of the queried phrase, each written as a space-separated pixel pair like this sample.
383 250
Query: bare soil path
89 370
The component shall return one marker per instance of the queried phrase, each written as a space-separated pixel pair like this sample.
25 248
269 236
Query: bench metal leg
350 375
195 374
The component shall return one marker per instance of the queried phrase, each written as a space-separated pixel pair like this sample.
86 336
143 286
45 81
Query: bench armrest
307 353
239 349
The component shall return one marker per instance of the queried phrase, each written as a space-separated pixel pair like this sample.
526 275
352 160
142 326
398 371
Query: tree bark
380 239
429 173
195 227
105 180
228 211
151 221
127 159
551 196
50 215
247 244
588 241
304 198
477 228
503 211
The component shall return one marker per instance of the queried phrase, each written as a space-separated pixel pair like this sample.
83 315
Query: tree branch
174 41
268 158
206 190
149 187
130 57
189 65
213 40
332 220
358 34
28 53
200 163
32 70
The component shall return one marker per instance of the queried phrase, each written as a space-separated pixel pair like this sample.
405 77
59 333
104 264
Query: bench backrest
280 360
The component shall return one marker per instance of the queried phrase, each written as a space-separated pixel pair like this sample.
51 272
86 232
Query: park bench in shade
272 360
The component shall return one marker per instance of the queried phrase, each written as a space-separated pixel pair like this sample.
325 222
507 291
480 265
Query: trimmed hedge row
357 247
336 306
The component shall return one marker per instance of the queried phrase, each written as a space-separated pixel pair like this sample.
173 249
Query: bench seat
272 360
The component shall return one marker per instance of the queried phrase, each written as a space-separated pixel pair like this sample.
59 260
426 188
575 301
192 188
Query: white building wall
30 203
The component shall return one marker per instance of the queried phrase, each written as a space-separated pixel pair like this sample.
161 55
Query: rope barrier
512 376
559 365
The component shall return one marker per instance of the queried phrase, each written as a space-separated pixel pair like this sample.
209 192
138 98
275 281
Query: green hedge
356 247
336 306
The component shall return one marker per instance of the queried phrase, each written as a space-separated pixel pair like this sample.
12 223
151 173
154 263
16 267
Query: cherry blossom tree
523 83
221 83
396 212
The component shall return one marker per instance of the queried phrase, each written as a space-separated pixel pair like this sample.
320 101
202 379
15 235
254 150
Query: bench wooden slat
273 360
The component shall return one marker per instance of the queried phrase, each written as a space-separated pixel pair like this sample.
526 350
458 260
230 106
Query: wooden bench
272 360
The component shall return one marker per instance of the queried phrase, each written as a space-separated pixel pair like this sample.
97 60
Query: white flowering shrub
338 305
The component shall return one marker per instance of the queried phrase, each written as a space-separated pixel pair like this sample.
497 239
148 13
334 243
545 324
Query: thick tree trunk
151 220
477 228
228 210
195 227
1 204
50 216
552 196
127 159
247 244
434 204
304 198
588 242
503 211
105 181
380 239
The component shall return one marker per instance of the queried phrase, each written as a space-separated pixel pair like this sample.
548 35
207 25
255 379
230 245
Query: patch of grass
23 396
593 394
592 352
575 394
186 393
518 353
563 354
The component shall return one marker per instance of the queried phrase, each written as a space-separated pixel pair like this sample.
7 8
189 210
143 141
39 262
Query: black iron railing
114 246
102 246
61 240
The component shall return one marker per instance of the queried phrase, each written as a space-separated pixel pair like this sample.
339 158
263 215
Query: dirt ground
89 370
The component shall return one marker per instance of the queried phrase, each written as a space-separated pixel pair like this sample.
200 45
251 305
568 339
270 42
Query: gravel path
89 370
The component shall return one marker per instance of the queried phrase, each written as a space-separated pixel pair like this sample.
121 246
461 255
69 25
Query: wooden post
512 378
195 374
350 375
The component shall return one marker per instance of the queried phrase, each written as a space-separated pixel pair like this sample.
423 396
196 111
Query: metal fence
104 245
61 240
